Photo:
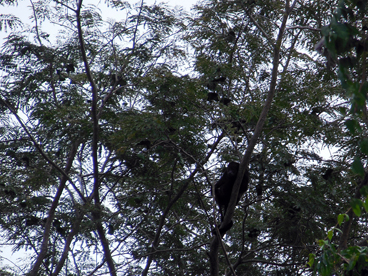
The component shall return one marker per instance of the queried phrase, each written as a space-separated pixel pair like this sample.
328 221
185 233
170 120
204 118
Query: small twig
36 23
303 28
136 26
37 146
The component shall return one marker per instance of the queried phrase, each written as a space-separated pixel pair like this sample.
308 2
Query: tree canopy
114 132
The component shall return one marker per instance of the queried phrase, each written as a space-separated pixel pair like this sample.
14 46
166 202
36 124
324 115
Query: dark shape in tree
61 77
25 49
211 96
259 190
171 103
230 36
211 85
293 212
224 229
254 233
145 143
111 229
171 130
289 163
321 48
56 223
219 80
10 153
32 220
263 75
8 191
327 175
117 80
236 126
224 187
61 231
225 101
70 68
25 160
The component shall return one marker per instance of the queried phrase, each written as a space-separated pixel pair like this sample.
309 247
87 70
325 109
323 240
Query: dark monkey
328 174
224 187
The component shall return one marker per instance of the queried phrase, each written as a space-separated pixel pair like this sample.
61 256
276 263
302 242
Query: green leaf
352 125
330 233
357 167
311 259
338 229
364 190
347 217
364 89
322 243
325 30
356 204
365 204
343 110
364 146
340 218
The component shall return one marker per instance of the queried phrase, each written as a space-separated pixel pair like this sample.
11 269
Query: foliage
344 40
113 132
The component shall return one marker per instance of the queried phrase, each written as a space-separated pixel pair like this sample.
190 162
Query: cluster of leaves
107 149
345 46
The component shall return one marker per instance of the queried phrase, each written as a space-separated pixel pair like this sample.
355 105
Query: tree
74 97
285 192
109 150
344 45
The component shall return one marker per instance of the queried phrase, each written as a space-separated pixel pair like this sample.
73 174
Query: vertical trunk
257 132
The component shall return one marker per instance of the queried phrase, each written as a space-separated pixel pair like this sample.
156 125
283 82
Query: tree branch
252 143
172 202
69 239
96 213
55 202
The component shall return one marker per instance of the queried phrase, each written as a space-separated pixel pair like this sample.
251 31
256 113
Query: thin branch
303 28
96 213
36 23
69 239
175 250
225 252
270 39
65 5
36 145
136 26
253 141
262 118
172 202
51 214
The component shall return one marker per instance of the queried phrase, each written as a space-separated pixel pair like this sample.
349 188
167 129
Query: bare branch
303 28
96 187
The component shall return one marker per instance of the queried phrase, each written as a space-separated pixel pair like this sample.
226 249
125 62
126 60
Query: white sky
23 11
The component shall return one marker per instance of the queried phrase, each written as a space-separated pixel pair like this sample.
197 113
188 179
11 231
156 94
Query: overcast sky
23 11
